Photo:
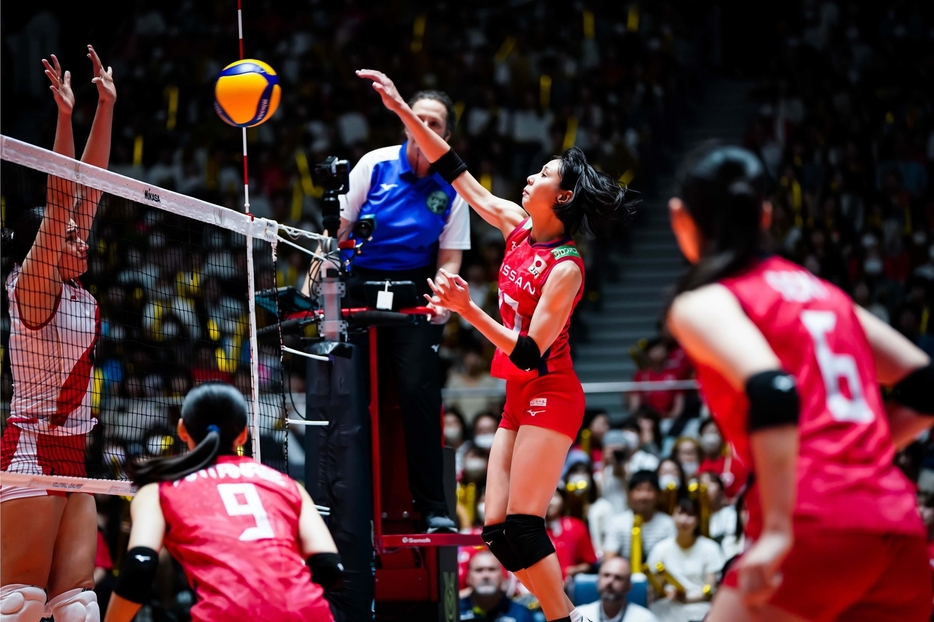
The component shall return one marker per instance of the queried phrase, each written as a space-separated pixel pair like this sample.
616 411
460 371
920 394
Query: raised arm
711 326
500 213
97 150
39 282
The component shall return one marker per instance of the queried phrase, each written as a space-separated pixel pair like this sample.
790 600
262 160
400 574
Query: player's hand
106 91
384 86
61 85
441 314
450 291
760 567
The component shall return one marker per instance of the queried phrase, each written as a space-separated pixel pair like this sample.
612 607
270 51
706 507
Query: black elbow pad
526 355
916 390
326 571
773 400
137 574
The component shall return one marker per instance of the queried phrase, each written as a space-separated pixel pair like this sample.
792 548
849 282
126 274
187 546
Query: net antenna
142 199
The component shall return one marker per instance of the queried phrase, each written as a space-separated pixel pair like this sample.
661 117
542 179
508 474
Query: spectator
475 464
667 403
687 452
484 429
718 458
474 375
693 560
455 436
613 584
735 543
570 537
672 483
722 514
596 423
487 601
643 501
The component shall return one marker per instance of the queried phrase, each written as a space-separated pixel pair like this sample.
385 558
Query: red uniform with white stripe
549 396
233 527
50 412
847 484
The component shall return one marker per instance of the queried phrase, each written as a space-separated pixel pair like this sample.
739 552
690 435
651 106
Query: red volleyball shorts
554 401
26 451
854 577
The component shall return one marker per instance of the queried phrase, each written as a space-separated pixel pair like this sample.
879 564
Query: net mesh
163 305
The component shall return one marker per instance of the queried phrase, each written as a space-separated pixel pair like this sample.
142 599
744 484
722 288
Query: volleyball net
165 303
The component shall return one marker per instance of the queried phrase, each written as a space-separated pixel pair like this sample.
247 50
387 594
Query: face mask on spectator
710 442
869 241
483 441
690 468
453 435
919 238
668 481
873 266
474 468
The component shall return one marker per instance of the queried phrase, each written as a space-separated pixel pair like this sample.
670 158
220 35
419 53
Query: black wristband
135 579
916 390
773 400
326 569
526 355
449 166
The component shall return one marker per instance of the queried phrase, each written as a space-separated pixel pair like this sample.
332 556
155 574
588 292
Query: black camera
333 175
363 229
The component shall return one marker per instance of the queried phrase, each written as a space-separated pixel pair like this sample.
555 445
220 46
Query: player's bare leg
73 562
729 606
537 461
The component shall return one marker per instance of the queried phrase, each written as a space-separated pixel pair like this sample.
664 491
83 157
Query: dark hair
644 476
214 414
598 200
443 98
19 239
723 188
683 480
450 409
688 506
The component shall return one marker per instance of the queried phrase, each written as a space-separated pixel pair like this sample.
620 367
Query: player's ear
241 438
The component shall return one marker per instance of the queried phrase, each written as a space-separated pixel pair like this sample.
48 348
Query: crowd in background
845 130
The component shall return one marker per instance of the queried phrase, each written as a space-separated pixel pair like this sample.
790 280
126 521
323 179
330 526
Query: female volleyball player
49 538
790 369
540 281
241 530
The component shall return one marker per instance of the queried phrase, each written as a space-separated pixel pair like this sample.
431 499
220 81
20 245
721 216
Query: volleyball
246 93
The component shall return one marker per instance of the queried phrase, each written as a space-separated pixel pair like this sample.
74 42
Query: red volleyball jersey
846 477
233 527
522 276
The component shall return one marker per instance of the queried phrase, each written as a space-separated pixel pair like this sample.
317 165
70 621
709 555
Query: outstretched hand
106 91
384 86
61 85
450 292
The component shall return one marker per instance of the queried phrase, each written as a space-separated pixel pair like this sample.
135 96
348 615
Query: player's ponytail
723 189
214 414
597 200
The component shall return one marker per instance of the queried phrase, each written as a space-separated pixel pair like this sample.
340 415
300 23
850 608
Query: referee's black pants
410 354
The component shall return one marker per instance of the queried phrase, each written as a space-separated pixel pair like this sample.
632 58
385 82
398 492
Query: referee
422 225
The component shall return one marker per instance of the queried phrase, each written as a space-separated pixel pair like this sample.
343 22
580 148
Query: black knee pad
499 546
528 538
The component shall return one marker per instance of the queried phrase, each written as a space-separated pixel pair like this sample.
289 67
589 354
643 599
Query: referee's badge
538 265
437 202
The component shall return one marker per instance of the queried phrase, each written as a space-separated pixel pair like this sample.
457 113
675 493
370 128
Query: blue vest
410 215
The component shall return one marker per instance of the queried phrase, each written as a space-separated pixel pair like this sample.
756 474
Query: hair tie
215 429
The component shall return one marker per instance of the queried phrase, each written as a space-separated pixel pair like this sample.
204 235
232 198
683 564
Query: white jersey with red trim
52 363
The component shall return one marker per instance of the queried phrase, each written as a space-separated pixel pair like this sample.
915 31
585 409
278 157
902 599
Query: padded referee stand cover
338 470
